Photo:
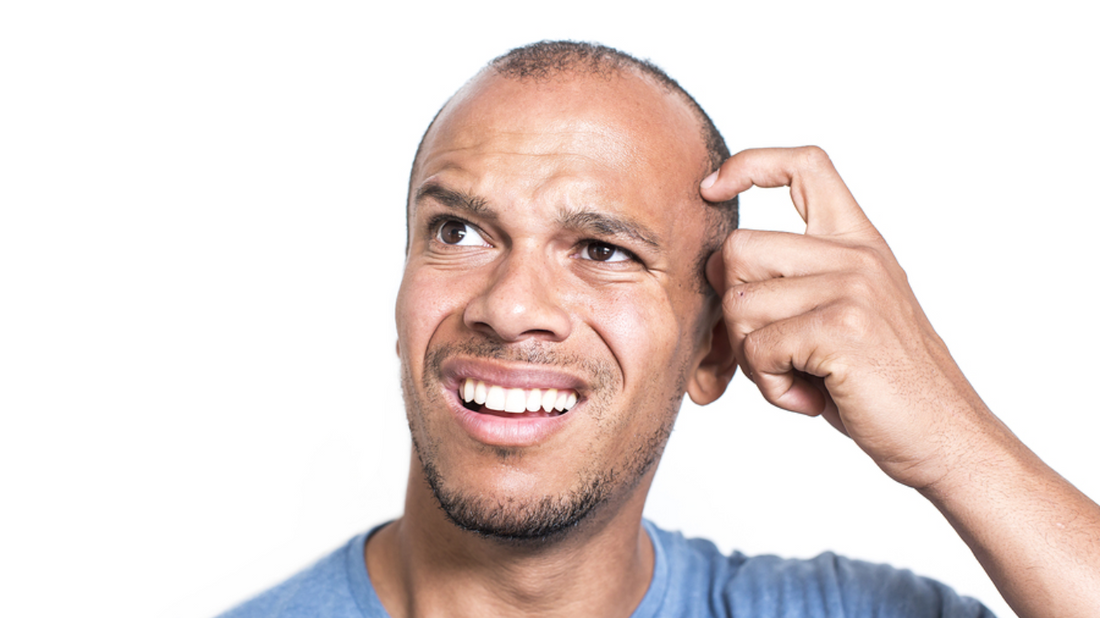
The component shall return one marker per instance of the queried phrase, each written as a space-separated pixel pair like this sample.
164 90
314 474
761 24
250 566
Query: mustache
598 373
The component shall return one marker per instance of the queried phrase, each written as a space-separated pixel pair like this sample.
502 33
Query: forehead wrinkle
608 225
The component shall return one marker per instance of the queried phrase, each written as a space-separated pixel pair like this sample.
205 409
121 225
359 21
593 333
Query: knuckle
858 285
737 242
734 300
852 319
813 157
738 299
736 248
772 388
868 258
753 345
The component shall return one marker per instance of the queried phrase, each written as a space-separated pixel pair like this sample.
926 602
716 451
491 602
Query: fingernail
708 182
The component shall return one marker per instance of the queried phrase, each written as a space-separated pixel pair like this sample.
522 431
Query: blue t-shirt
691 578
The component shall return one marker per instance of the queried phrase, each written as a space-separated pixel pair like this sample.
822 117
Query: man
573 270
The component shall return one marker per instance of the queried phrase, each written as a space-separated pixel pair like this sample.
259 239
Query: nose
519 301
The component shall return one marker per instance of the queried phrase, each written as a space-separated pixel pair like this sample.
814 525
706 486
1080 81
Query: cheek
423 303
641 329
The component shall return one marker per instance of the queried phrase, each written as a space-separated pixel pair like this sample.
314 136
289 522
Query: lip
511 431
508 375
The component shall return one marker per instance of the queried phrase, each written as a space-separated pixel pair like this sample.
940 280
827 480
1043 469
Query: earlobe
714 372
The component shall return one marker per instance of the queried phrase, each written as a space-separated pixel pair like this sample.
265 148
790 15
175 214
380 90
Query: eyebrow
458 200
602 224
585 221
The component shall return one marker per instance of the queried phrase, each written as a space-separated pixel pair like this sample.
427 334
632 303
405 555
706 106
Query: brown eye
603 252
600 252
456 232
452 232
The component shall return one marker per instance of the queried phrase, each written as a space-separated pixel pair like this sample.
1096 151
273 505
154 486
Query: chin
529 515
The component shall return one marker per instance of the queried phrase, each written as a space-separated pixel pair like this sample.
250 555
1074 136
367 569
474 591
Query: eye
603 252
456 232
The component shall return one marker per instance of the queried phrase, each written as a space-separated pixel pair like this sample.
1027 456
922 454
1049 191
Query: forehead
620 137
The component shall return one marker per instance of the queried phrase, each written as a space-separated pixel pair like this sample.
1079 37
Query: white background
201 236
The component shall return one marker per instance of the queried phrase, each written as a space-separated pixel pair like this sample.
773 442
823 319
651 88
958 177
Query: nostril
516 306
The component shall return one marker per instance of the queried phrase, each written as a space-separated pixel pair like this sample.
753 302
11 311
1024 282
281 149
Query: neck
423 565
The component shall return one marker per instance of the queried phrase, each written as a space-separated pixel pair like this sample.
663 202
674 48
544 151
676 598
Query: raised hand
825 323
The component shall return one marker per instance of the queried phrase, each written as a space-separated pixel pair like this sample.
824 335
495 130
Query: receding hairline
546 61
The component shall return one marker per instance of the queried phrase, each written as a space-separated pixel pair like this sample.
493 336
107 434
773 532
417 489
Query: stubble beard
533 519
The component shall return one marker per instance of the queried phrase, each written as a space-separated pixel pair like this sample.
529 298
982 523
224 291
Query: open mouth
479 396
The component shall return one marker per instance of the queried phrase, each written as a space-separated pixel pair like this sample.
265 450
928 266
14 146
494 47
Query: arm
825 324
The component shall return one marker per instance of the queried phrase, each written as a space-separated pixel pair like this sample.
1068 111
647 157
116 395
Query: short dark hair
547 59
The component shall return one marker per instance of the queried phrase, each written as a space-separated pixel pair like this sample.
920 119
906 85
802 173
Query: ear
714 372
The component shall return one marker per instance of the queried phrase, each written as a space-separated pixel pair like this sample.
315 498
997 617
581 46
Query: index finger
820 196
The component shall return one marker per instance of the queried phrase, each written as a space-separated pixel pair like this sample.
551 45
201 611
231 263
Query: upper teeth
516 400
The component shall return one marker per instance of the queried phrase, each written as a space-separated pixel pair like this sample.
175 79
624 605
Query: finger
776 307
748 307
755 255
781 359
792 390
820 196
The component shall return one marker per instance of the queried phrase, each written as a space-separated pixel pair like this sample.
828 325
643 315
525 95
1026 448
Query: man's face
555 234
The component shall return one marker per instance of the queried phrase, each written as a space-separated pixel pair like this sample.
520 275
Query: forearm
1035 534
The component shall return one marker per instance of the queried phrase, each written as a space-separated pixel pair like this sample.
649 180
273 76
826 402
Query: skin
633 333
823 323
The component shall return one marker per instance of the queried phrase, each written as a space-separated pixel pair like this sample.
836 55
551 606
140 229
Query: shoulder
702 577
327 588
